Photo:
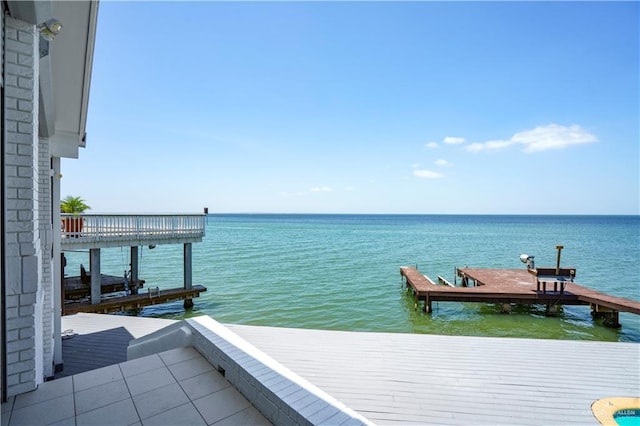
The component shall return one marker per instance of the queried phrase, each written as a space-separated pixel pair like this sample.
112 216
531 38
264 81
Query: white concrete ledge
282 396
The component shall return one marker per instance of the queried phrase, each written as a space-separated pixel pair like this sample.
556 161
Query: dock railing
114 229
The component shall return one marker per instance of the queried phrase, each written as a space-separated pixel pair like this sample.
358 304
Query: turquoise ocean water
341 272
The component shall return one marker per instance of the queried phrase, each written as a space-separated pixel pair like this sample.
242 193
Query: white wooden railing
101 228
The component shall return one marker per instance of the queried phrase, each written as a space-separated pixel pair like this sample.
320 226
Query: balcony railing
112 229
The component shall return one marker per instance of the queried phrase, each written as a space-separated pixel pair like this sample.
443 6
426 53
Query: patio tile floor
173 387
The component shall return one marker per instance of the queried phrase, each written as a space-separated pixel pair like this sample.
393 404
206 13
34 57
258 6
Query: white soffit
71 54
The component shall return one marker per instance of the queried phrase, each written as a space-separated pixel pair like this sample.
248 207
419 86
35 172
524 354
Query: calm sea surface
341 272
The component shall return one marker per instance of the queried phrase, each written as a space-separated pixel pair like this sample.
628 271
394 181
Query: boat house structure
94 232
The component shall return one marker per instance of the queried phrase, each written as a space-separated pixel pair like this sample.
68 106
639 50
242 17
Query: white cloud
431 145
542 138
451 140
427 174
321 189
443 163
291 194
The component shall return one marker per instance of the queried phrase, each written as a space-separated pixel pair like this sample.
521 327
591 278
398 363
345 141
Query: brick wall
46 246
23 255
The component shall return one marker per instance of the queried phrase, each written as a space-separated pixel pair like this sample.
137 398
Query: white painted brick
25 215
27 249
25 171
11 170
27 299
17 46
25 82
20 345
24 149
11 80
19 160
18 323
25 237
25 194
13 357
11 149
17 115
29 375
25 128
12 301
11 313
23 105
13 380
20 139
18 93
25 311
25 36
25 60
27 354
19 204
13 335
10 58
11 103
19 367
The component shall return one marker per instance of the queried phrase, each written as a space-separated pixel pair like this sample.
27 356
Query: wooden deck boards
511 286
134 301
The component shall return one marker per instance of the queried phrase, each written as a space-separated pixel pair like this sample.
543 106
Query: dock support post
611 319
427 305
188 303
611 316
134 270
94 265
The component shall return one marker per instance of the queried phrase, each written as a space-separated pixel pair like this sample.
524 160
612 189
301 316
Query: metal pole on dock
134 269
96 280
188 303
558 262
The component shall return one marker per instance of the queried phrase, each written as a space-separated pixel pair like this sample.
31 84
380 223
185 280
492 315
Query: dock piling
96 280
188 303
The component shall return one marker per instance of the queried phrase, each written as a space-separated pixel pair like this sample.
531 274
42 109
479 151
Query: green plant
73 205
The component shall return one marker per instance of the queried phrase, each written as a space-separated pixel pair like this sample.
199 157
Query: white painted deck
428 379
118 230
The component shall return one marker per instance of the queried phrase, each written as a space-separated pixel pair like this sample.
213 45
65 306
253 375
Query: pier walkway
508 286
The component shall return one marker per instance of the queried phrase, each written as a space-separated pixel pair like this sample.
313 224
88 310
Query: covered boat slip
524 286
79 287
94 232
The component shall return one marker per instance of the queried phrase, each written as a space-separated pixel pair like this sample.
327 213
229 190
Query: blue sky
363 107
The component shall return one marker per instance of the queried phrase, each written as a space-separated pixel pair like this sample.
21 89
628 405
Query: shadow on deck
85 352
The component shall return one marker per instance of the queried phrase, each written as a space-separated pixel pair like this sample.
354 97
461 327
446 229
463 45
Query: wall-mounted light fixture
50 29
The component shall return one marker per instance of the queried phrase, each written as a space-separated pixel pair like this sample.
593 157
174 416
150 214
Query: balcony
87 231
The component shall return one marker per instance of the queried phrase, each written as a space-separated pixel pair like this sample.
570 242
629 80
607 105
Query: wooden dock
521 286
153 296
75 288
